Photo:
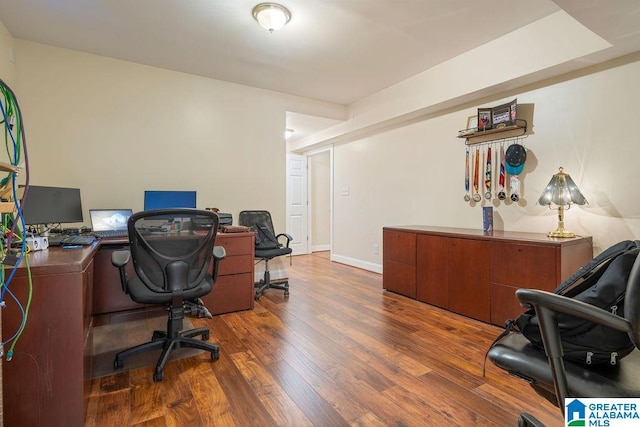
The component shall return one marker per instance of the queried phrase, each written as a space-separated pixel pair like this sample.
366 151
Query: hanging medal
514 162
476 194
487 176
502 180
467 197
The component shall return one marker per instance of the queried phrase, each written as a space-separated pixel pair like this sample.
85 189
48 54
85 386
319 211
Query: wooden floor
339 351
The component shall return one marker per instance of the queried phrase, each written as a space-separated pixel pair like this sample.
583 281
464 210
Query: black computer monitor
51 205
169 199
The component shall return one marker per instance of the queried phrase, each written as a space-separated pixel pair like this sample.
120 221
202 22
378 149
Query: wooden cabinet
234 287
47 381
473 274
399 262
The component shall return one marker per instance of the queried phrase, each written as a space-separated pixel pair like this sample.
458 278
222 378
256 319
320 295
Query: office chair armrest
287 236
120 259
219 253
560 304
547 306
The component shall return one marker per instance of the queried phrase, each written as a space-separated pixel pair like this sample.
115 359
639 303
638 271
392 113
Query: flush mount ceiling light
271 16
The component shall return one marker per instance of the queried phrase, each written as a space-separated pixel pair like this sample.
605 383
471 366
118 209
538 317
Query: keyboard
111 233
76 239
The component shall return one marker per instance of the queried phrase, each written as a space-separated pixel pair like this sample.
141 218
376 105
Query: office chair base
160 340
261 286
265 284
528 420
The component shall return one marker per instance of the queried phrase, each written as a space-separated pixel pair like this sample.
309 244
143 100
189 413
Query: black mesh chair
171 251
555 378
268 246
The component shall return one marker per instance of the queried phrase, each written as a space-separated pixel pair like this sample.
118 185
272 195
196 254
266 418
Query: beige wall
6 56
320 200
415 174
115 128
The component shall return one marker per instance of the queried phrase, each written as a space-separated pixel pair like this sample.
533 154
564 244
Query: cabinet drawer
524 266
230 293
239 245
235 264
399 247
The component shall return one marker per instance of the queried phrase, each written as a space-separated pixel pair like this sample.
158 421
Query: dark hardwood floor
339 351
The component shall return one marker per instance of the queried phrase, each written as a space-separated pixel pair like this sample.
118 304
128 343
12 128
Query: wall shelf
475 136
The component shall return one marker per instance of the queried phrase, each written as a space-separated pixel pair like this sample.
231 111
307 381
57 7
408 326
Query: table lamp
562 192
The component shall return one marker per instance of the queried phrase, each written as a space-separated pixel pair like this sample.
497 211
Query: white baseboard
369 266
320 248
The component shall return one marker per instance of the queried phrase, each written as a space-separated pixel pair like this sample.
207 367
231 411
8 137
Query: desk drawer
235 264
230 293
241 245
524 265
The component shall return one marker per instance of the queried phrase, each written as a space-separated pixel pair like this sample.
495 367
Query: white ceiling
333 50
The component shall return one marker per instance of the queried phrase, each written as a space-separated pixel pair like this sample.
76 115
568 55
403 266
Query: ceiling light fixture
288 133
271 16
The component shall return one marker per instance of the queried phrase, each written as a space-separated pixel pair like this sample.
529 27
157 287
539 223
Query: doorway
320 200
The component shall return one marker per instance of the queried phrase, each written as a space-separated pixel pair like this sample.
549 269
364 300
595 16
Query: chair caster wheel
215 355
157 376
118 363
205 336
286 293
157 335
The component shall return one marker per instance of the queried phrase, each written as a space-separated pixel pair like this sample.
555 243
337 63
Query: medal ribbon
475 171
487 174
466 172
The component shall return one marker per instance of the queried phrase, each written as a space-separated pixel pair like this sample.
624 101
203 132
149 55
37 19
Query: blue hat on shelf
515 157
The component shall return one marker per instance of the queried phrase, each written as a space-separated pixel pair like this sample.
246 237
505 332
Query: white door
297 203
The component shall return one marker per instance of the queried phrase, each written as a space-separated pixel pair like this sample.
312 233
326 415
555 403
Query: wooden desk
47 381
233 290
475 274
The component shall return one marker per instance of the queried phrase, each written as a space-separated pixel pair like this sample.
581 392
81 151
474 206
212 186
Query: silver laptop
110 222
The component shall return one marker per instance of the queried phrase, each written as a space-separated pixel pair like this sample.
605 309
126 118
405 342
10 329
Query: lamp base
561 233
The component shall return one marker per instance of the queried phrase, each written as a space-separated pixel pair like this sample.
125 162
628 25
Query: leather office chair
268 246
555 378
171 251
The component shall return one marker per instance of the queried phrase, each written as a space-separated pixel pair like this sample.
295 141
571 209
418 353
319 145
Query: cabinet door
469 278
432 283
399 262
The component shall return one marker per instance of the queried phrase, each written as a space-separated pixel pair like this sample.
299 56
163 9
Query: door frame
310 201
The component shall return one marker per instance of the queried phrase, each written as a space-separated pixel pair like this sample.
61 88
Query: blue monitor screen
169 199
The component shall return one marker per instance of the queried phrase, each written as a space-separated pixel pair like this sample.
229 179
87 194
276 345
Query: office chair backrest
172 248
252 218
632 302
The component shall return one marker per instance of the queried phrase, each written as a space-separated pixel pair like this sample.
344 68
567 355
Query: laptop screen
109 219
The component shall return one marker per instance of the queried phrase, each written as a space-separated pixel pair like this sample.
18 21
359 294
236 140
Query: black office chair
555 378
171 251
268 246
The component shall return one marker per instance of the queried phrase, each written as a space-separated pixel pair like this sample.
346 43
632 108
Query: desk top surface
495 235
57 260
